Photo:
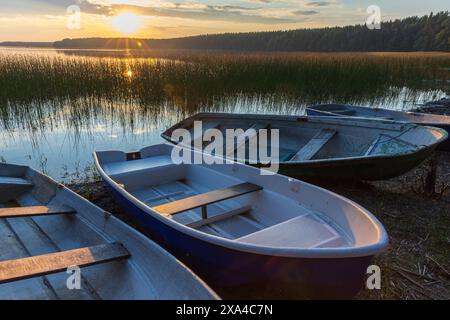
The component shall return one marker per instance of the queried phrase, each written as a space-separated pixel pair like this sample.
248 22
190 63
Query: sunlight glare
127 23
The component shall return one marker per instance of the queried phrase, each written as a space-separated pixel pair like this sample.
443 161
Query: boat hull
379 168
238 274
335 162
443 146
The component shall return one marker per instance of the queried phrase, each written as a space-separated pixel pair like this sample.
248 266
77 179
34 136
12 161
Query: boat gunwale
378 246
419 115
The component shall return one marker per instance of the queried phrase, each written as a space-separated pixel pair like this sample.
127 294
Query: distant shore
27 44
411 34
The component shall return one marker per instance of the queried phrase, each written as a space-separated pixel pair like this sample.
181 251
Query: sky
50 20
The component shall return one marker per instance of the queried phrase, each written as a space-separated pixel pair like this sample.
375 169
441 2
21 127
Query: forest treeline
426 33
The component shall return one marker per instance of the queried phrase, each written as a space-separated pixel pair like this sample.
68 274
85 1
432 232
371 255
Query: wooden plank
248 134
34 211
314 145
19 269
18 212
205 199
219 217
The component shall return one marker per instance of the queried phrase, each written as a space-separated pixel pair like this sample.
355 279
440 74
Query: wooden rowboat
325 147
46 229
248 235
424 119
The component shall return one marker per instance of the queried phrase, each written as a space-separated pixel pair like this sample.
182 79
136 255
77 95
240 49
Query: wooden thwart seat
18 212
19 269
204 199
308 151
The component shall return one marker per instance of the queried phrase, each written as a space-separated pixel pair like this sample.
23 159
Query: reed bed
35 86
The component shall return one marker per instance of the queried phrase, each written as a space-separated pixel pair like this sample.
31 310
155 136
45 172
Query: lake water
58 135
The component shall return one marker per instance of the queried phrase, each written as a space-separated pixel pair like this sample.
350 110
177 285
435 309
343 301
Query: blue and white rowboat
248 235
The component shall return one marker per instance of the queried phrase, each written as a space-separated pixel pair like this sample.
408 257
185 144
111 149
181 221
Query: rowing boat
248 235
56 245
419 118
316 148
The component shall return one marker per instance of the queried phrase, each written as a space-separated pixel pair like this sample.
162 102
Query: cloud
195 11
320 4
305 12
262 12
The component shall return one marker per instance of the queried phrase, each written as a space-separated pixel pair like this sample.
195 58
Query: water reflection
56 107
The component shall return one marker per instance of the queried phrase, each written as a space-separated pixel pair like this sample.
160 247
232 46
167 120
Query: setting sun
127 23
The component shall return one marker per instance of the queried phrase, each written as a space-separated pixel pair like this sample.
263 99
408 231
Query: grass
172 76
416 265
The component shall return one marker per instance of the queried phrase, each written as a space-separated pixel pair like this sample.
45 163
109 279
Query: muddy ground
415 214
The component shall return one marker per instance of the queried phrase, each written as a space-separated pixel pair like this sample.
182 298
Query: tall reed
35 88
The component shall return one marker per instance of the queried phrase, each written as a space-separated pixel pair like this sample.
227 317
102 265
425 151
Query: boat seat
204 199
248 134
308 151
24 268
304 231
18 212
121 168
